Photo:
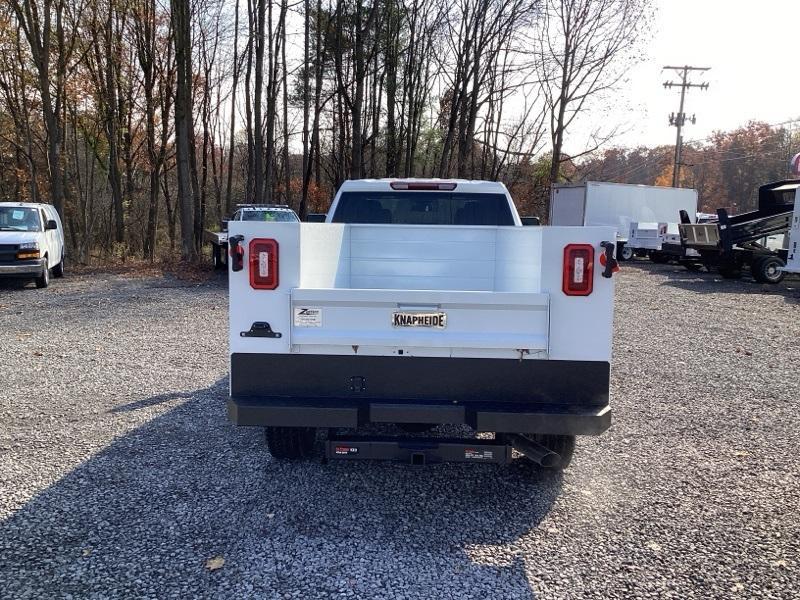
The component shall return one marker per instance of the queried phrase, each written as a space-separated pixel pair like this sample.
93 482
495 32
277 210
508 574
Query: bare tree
584 49
182 39
52 45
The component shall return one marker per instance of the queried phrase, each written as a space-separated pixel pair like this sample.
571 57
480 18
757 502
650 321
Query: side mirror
51 224
315 217
530 221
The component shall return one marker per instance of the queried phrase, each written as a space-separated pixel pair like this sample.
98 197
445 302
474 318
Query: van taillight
263 264
578 270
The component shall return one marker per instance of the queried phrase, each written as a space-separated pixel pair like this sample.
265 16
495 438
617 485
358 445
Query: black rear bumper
501 395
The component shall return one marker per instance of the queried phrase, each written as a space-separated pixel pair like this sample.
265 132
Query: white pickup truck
421 303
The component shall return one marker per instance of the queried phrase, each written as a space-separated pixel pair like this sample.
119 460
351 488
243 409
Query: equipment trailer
421 303
735 241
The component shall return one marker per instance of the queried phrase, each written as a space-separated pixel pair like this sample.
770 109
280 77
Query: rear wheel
563 445
768 269
624 252
58 270
291 443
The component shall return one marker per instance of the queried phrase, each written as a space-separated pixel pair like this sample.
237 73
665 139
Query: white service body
436 323
500 288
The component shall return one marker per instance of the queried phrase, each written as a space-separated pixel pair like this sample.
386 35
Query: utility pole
679 120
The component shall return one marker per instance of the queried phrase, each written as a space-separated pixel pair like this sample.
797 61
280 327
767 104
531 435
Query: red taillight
447 186
263 264
578 270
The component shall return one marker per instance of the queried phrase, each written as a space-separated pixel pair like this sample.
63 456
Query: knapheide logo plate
433 320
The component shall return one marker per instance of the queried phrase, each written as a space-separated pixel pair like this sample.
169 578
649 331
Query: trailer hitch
608 261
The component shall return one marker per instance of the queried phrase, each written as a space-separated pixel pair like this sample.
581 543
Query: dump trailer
419 304
618 205
740 240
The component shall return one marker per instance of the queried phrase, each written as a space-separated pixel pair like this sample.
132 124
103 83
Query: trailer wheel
291 443
768 269
730 271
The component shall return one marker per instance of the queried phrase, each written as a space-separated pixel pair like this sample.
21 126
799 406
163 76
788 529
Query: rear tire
768 269
291 443
624 252
58 270
43 280
563 445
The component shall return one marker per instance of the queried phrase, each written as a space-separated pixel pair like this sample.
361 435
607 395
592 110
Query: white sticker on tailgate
305 316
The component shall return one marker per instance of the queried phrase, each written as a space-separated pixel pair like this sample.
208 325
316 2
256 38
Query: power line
679 120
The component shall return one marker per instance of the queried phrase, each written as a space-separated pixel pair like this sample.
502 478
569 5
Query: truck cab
421 303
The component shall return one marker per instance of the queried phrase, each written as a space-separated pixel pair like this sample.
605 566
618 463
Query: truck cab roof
27 205
416 201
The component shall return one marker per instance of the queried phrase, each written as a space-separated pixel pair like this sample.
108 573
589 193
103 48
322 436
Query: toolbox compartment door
408 319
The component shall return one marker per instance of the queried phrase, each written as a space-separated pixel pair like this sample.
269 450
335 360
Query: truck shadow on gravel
142 517
704 282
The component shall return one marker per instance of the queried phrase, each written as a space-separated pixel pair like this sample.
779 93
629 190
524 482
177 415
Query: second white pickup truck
421 303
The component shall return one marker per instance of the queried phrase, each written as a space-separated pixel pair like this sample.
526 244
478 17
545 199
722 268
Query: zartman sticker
305 316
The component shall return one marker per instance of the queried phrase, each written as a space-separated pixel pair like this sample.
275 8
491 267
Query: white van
31 242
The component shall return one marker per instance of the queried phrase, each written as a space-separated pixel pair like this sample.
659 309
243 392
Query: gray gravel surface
120 476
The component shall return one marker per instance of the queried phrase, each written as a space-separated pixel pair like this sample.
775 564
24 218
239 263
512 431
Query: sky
752 49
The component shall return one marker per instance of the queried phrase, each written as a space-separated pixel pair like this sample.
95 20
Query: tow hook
236 252
608 261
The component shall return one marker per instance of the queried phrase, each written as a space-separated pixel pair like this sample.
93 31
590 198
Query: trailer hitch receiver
608 261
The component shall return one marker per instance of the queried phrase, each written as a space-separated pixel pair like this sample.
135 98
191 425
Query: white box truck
421 303
618 205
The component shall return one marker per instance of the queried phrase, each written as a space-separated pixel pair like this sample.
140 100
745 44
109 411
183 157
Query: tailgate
699 235
408 319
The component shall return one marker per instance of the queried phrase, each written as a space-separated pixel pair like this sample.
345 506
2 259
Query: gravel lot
120 476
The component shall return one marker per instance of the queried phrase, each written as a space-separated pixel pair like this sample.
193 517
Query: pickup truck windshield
15 218
283 216
423 208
